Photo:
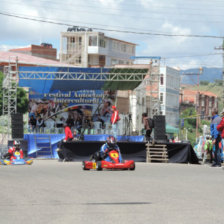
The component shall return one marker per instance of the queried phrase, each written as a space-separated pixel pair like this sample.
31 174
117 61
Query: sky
175 21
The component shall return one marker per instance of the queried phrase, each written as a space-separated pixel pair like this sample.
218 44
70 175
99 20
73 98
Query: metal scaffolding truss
135 75
10 89
151 87
9 86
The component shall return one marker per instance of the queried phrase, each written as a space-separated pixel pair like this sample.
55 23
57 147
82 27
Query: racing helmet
16 143
111 142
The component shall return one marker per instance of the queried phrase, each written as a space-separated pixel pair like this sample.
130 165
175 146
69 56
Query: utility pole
222 48
197 101
198 108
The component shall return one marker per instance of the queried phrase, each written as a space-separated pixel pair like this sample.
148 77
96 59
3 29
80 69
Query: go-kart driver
111 144
12 150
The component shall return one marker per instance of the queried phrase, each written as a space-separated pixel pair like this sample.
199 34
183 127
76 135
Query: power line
72 5
139 17
111 30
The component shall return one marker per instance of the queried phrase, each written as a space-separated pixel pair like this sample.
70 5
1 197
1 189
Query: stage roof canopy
47 79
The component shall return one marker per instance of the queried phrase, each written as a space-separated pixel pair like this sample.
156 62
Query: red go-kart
114 164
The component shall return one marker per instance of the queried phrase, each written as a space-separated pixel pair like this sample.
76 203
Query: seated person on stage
65 154
12 150
110 145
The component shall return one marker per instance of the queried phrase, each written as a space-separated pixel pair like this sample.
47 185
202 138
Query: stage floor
82 150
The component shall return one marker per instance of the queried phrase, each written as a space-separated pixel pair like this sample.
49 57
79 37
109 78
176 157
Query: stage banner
82 107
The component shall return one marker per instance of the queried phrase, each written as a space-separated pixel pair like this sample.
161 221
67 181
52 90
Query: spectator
216 137
207 149
114 120
172 140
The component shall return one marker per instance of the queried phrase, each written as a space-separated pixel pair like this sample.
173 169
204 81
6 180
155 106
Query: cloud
137 15
111 3
170 28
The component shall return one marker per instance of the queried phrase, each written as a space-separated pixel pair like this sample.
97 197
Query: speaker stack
160 128
17 126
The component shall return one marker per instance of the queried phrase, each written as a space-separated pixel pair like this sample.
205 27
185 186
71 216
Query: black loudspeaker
160 128
23 145
17 126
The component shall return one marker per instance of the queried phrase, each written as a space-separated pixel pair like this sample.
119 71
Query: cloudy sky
143 18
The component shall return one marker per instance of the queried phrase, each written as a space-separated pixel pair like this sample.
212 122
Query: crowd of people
212 146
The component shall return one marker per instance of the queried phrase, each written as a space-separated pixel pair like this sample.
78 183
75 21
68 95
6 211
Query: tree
22 99
218 82
204 83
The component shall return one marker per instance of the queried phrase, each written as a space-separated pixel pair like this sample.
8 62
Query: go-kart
17 160
113 164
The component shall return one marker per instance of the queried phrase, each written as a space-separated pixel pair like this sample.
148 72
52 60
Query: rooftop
6 56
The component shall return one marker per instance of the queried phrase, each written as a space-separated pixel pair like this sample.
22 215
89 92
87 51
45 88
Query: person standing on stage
65 154
114 120
148 126
216 137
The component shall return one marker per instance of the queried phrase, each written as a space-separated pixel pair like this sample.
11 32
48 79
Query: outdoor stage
132 147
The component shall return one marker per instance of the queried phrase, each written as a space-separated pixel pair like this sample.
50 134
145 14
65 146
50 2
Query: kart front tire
98 166
84 165
133 167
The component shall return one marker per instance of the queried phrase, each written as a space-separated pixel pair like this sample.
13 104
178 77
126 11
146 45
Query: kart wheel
84 165
133 167
98 166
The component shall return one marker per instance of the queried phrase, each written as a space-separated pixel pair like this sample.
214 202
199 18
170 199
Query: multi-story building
203 101
86 48
166 90
169 91
43 51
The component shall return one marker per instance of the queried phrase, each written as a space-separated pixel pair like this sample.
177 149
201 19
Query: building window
73 40
113 61
133 49
80 40
113 44
161 98
123 47
93 41
102 43
161 79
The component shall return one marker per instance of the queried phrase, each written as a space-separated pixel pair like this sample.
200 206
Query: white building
169 91
86 48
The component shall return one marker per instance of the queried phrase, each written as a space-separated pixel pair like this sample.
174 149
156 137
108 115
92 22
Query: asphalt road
54 192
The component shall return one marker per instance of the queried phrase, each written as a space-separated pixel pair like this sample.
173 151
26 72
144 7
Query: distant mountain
208 74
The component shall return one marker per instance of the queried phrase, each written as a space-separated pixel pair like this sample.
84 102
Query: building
7 57
203 101
169 92
86 48
43 51
165 92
